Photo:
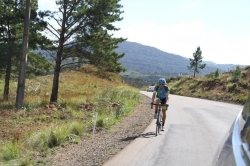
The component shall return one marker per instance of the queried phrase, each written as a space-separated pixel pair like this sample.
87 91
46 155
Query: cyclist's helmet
162 81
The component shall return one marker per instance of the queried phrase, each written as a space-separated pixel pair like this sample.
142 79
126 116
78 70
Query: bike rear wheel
156 132
159 127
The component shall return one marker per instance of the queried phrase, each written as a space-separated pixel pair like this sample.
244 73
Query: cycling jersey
161 92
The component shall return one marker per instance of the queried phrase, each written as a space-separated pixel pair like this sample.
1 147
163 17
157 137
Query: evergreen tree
195 64
11 32
217 73
37 64
83 36
236 73
103 56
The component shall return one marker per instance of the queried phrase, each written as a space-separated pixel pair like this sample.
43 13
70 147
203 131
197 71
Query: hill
144 64
231 87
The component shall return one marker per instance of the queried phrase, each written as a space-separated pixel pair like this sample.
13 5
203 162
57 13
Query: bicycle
158 117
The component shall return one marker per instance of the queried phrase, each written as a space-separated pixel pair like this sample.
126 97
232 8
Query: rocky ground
105 144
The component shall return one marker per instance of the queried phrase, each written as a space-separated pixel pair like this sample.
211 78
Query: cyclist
161 95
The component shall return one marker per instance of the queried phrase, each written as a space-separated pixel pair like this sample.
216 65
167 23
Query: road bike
158 117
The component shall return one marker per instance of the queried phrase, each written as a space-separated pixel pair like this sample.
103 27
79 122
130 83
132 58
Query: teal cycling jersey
161 92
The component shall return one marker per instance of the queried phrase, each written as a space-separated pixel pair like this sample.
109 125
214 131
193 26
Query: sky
221 28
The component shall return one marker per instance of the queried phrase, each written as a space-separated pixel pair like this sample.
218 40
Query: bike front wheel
157 129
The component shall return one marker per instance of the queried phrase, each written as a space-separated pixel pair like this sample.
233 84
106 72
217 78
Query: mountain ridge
145 64
148 60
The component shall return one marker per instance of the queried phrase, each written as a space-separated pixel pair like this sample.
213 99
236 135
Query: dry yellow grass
223 88
76 88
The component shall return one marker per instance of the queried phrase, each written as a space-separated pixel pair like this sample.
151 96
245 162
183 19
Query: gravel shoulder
105 144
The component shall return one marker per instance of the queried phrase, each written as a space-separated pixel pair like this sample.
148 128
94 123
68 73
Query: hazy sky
220 27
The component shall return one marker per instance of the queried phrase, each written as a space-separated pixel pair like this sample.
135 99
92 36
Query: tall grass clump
9 151
46 139
77 128
57 136
115 102
38 142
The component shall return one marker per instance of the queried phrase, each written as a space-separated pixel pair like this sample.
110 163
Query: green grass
225 88
9 151
45 130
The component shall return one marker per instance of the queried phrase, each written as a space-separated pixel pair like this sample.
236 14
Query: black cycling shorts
163 101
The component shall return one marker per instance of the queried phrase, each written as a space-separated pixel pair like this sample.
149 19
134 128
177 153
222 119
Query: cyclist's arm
167 96
153 96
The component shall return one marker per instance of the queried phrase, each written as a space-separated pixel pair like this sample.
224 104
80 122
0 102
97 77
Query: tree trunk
54 93
7 79
23 60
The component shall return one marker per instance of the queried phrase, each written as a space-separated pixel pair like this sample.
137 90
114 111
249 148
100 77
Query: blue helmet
162 81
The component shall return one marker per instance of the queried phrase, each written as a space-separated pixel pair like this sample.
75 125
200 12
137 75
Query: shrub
217 73
231 86
100 123
237 73
120 110
247 67
173 90
192 86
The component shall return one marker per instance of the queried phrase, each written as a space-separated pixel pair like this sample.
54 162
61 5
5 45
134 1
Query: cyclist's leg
164 115
157 101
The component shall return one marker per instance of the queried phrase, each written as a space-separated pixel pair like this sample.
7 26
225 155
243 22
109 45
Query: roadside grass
85 95
231 87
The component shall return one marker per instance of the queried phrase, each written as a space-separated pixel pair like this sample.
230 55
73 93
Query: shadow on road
148 135
144 135
129 138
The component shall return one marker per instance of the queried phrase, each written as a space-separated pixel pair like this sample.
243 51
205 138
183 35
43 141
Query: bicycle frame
159 117
159 120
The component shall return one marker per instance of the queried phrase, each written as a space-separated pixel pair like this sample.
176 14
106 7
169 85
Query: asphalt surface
194 130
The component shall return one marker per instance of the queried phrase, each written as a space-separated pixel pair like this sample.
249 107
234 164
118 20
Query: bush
231 86
217 73
247 67
100 123
192 86
237 73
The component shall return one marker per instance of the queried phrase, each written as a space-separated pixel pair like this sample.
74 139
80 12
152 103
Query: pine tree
236 73
195 64
11 31
217 73
83 36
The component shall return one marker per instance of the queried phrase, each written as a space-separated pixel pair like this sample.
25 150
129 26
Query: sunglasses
161 84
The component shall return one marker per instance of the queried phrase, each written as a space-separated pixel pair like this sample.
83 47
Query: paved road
193 132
